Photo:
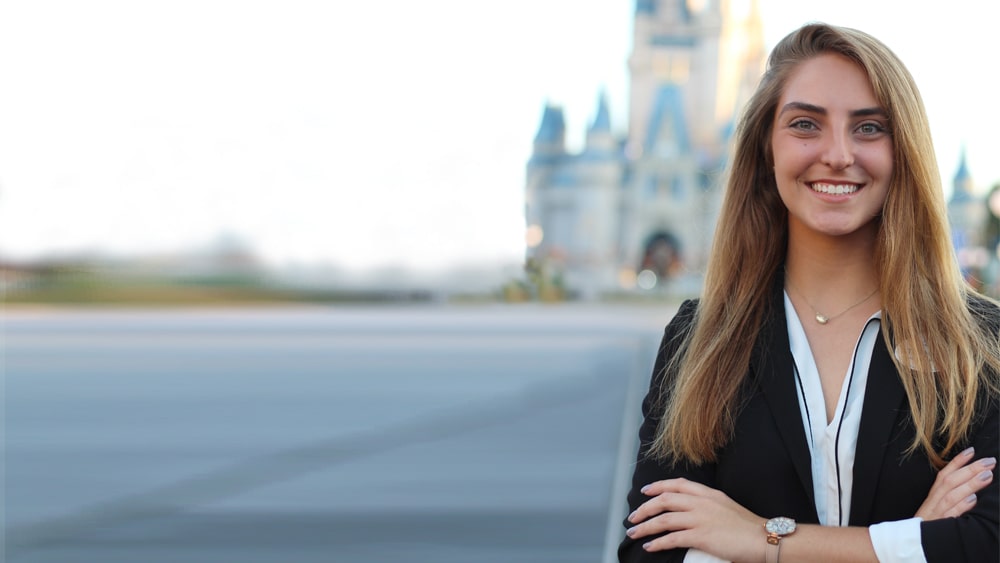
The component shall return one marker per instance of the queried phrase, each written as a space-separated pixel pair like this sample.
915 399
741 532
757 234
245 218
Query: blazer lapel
773 366
884 400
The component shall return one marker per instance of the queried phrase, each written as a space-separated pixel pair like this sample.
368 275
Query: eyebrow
865 112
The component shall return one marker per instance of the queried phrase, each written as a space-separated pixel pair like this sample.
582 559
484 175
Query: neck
831 271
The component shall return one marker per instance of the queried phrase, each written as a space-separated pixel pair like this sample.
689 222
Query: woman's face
832 149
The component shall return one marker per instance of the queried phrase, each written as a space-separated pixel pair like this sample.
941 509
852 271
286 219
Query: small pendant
821 319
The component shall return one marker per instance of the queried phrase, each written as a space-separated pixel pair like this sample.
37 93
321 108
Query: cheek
790 157
784 186
879 161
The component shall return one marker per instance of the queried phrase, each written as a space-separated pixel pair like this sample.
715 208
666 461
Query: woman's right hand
954 490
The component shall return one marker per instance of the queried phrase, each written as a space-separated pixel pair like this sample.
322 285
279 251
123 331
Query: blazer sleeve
972 537
648 469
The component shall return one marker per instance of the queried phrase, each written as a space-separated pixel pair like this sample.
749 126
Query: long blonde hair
941 350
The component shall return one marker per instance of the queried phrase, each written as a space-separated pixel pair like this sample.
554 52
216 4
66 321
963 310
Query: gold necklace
820 317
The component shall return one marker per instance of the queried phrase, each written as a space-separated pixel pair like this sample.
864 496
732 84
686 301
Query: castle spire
552 129
962 183
600 140
602 121
550 141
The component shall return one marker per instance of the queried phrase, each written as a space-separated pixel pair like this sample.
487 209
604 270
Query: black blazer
766 465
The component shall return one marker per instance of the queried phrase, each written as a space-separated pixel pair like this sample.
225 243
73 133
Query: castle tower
967 214
548 152
572 200
692 69
648 202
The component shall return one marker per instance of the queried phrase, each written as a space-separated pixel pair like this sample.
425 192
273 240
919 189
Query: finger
673 540
656 489
988 463
979 474
971 470
969 479
666 522
958 461
679 485
960 482
666 502
964 506
963 498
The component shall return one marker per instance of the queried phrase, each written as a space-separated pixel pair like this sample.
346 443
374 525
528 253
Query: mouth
834 189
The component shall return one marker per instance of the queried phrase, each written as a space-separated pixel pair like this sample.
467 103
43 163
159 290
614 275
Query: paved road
431 433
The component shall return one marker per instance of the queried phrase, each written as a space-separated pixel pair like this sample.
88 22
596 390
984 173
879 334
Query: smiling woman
833 395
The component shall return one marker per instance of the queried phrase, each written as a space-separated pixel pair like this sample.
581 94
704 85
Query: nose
839 151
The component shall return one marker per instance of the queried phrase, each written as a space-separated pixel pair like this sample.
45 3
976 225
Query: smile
834 189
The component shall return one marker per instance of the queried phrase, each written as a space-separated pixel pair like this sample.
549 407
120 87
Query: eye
871 128
802 125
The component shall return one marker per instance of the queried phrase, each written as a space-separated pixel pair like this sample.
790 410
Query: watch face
781 526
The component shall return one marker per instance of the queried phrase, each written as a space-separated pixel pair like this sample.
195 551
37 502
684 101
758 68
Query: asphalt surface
426 433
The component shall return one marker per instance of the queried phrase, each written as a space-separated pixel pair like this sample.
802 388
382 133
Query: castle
640 210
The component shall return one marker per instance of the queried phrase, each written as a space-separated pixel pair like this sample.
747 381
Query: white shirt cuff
898 541
695 556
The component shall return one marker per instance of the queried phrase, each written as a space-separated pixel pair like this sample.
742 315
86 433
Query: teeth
835 189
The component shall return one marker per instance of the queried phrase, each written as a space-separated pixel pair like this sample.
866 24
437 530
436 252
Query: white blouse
832 445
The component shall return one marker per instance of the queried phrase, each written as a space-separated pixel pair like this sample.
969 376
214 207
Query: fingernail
630 532
985 475
647 545
644 489
631 516
970 499
988 461
968 451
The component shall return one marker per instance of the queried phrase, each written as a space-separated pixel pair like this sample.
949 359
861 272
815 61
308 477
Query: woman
804 408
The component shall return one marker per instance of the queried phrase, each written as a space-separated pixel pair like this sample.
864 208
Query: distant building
967 215
642 209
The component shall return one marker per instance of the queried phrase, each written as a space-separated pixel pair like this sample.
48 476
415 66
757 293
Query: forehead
830 81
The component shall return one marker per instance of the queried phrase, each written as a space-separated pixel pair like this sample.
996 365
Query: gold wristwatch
776 529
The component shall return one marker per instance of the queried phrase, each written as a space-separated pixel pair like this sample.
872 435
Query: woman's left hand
954 490
698 517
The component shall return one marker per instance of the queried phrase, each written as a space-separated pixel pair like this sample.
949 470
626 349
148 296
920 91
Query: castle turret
600 140
550 141
962 183
967 216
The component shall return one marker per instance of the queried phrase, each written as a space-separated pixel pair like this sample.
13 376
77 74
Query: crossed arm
706 519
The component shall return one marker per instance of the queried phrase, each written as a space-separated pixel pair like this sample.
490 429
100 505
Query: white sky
360 133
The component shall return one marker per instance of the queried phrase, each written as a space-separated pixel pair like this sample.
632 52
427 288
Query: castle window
677 191
650 187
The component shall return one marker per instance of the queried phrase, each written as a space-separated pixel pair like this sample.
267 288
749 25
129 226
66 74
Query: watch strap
773 548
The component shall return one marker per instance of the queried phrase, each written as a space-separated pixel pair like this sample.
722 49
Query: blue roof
961 182
962 174
553 126
602 121
645 6
649 7
668 107
674 40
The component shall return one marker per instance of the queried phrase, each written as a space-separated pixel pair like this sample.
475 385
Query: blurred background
415 146
287 277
